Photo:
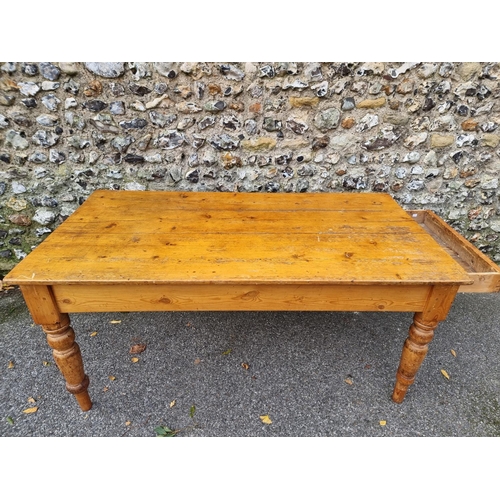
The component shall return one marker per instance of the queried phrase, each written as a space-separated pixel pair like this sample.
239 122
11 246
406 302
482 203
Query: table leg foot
414 351
68 358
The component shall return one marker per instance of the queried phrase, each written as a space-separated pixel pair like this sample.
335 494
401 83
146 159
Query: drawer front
484 272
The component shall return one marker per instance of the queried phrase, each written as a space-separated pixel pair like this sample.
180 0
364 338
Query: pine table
215 251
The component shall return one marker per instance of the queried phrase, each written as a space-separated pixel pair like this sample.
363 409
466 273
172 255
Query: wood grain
133 201
171 237
217 297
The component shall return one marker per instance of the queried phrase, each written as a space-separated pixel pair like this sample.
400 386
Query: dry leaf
445 374
265 419
197 361
93 334
112 377
46 363
348 381
31 400
115 321
137 348
10 365
454 353
105 389
383 422
128 422
34 409
246 366
134 360
172 403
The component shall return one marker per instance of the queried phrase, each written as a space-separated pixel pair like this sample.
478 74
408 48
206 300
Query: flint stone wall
426 133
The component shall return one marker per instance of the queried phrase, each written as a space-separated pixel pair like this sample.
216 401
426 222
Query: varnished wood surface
229 238
217 297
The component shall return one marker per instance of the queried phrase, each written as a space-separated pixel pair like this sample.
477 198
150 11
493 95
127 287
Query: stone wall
426 133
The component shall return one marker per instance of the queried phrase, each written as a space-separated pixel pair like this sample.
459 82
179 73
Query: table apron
239 297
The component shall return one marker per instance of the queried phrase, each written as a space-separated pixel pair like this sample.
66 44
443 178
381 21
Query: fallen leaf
348 381
172 403
10 420
164 431
445 374
105 389
128 422
134 360
10 365
46 363
245 366
265 419
197 361
31 400
225 353
115 321
93 334
454 353
31 410
383 422
192 411
137 348
112 377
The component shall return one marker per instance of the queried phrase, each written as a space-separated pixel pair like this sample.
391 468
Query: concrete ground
249 374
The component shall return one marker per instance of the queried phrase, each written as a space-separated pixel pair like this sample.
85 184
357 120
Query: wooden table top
151 237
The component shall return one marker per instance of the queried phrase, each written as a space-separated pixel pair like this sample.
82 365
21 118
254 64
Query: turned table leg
68 358
421 332
61 337
414 350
